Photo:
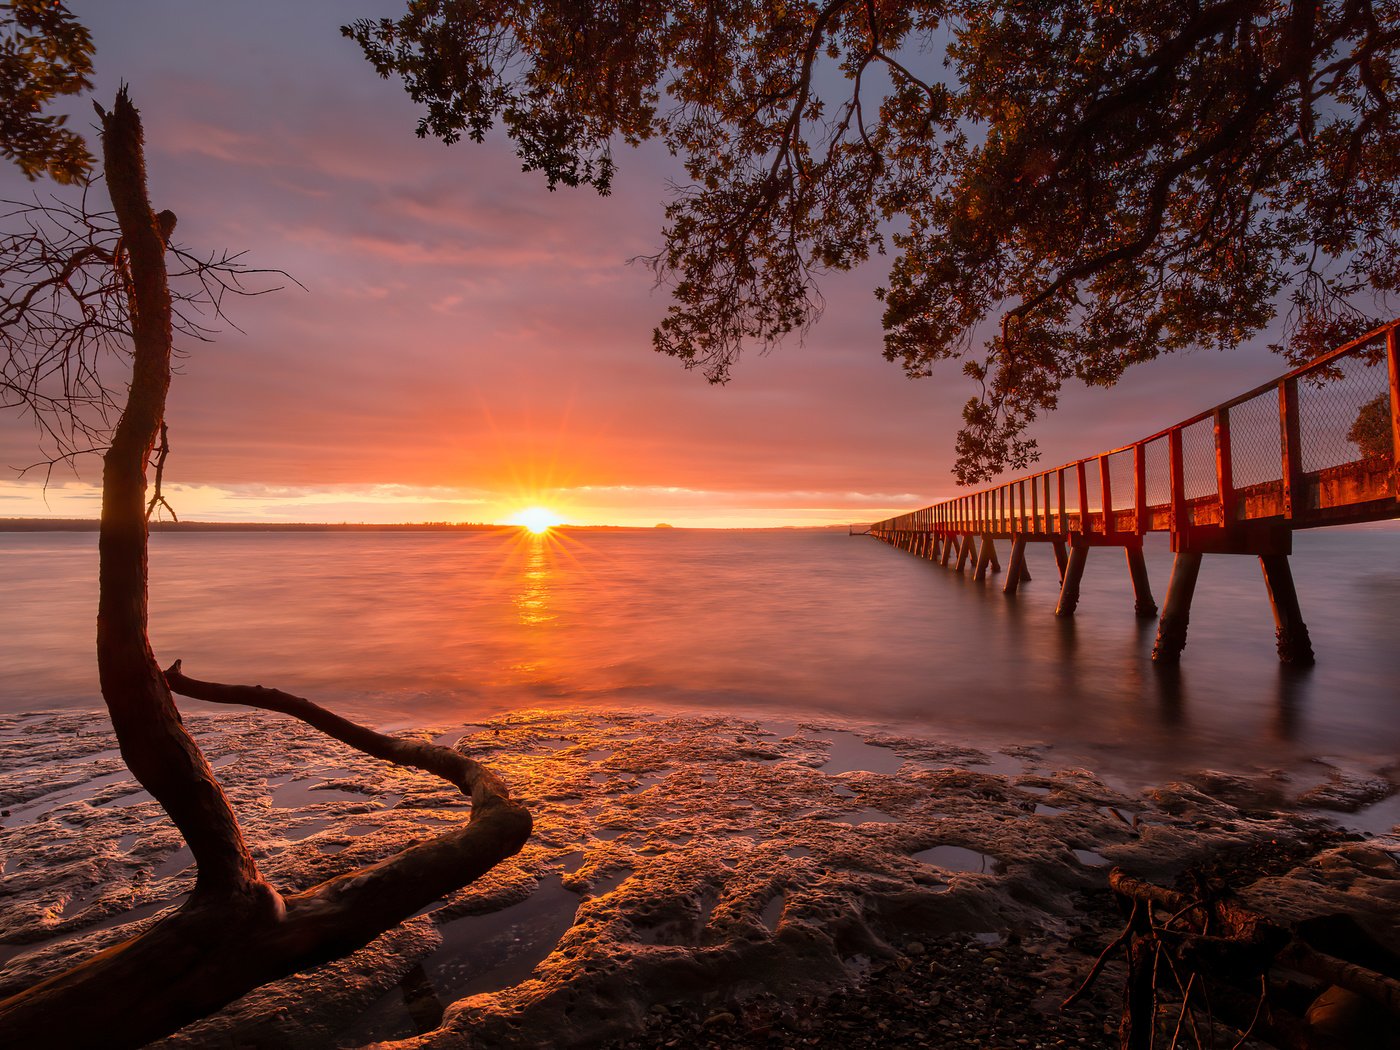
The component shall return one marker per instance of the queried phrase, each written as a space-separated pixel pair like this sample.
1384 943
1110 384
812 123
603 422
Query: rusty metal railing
1317 446
1314 447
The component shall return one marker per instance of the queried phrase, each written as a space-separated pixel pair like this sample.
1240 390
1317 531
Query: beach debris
1201 958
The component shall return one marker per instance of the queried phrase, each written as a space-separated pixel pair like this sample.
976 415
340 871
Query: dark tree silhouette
1370 430
44 52
1068 189
73 286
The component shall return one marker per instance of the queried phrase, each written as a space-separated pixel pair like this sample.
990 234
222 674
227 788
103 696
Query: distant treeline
91 524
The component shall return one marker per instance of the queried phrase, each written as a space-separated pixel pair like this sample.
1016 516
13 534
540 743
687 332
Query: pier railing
1317 446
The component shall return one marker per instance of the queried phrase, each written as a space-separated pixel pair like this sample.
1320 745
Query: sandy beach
710 879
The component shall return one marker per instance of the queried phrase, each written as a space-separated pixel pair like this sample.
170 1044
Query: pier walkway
1318 446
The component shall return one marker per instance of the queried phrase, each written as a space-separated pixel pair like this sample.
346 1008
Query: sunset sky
469 344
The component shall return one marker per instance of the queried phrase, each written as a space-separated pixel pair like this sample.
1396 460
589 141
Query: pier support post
1171 632
949 542
1017 566
1069 588
1143 603
986 554
1061 558
1294 645
965 550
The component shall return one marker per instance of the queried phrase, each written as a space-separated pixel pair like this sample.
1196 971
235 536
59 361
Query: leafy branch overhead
1067 189
44 52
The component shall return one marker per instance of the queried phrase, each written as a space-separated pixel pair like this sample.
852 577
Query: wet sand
683 868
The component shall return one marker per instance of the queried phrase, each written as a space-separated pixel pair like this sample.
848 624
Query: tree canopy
44 53
1067 189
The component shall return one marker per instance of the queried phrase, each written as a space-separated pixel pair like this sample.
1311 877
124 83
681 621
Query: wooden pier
1318 446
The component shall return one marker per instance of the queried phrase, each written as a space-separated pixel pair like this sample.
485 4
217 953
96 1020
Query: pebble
956 1003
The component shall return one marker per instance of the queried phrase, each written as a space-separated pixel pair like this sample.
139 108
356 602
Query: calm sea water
405 629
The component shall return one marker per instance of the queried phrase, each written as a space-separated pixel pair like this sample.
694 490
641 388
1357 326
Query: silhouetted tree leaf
1068 189
44 53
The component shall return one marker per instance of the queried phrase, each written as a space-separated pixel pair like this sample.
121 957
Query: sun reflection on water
532 603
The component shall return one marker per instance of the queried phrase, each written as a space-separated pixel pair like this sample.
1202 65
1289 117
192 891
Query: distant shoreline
91 525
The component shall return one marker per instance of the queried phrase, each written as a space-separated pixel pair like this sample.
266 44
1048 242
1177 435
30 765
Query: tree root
219 946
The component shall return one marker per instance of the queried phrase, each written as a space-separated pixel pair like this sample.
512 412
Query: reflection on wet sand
721 849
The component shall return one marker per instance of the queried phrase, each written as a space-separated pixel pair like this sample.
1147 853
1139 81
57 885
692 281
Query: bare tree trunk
235 932
153 740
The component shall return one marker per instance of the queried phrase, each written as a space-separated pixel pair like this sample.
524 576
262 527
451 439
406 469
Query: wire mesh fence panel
1338 431
1061 482
1157 466
1256 443
1120 479
1198 459
1344 411
1093 495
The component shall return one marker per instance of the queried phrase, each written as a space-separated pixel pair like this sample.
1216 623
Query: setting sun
537 519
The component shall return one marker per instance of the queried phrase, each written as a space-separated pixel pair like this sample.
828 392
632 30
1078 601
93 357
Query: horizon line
70 524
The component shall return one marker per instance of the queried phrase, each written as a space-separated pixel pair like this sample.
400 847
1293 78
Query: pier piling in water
1171 632
985 553
1074 572
1317 447
1294 645
1143 603
1016 566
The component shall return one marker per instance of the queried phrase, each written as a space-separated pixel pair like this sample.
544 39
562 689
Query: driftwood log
1322 984
219 946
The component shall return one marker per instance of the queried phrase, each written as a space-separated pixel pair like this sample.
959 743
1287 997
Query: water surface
406 629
